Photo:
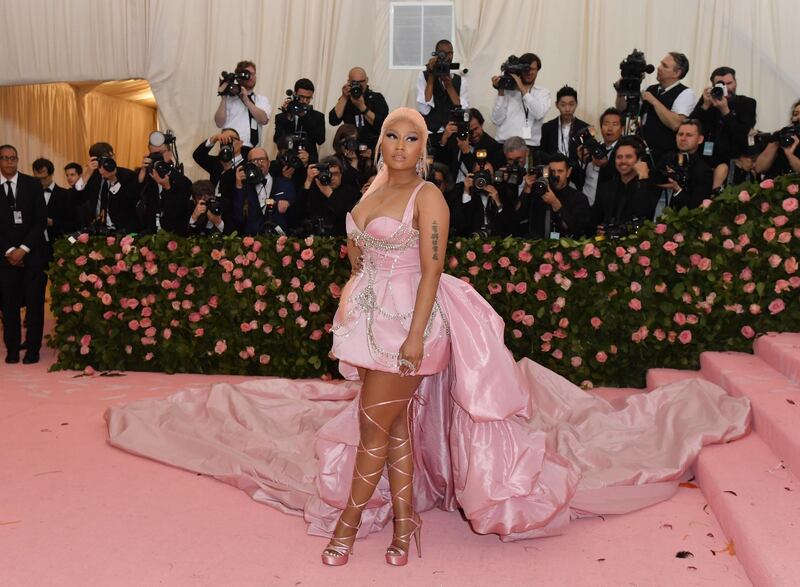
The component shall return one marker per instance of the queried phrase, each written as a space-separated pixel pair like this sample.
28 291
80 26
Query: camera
511 65
784 136
157 164
214 205
226 153
106 163
676 167
295 143
461 117
632 70
441 68
325 177
512 174
296 107
350 144
719 91
482 178
542 184
615 230
317 226
585 138
234 81
253 174
356 91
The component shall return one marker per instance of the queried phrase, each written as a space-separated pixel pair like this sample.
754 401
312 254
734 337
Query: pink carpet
75 511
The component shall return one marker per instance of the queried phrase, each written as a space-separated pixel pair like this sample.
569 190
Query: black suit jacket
618 202
550 133
121 206
698 187
30 203
63 211
174 205
451 156
210 163
572 220
367 133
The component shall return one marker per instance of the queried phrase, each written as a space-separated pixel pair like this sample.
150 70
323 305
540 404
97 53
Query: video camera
441 67
511 65
461 117
632 70
234 82
585 138
296 107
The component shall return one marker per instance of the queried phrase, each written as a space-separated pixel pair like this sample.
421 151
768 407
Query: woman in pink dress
517 448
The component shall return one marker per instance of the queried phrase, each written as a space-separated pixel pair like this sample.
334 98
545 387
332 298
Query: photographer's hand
495 81
90 168
721 105
520 86
494 194
706 99
283 206
649 97
312 174
240 177
468 183
164 182
325 190
642 169
285 108
463 145
449 130
287 172
551 200
199 209
529 179
146 161
214 218
303 156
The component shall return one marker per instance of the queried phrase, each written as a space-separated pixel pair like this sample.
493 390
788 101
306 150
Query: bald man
360 106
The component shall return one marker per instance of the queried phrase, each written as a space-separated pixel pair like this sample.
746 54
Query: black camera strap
253 127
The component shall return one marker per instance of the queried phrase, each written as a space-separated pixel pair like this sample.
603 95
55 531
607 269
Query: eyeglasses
9 158
259 160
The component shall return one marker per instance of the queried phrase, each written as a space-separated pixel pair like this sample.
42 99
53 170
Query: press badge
708 148
17 217
555 235
526 130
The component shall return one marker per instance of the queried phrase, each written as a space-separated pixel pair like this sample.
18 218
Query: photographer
206 218
325 200
240 108
684 176
441 177
781 155
457 145
164 196
62 215
736 171
596 167
481 207
297 115
257 207
558 134
439 90
230 154
360 106
108 193
556 208
726 117
347 149
629 195
665 104
520 111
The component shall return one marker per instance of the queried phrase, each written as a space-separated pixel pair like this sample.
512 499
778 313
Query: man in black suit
217 165
62 215
308 121
458 152
727 118
360 106
23 218
109 191
562 211
557 133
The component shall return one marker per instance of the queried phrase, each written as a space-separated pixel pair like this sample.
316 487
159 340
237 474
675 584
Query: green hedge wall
598 312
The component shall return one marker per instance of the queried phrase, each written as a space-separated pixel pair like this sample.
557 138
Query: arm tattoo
435 240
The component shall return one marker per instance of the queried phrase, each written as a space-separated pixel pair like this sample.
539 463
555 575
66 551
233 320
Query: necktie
104 197
10 195
253 131
48 190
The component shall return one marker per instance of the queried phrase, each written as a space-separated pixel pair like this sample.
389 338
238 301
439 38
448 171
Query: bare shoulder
430 197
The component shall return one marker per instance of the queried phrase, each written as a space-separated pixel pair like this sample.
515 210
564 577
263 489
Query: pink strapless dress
518 448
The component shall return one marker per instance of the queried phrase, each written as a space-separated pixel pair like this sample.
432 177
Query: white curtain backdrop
180 46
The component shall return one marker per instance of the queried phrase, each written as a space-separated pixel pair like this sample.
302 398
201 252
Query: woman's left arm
434 226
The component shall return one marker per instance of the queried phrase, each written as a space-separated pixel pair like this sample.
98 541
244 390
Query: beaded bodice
385 288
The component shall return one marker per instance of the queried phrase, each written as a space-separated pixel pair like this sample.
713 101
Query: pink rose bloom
660 228
516 333
150 332
302 322
670 246
471 256
495 288
644 261
596 322
599 276
335 290
774 261
793 188
678 237
86 339
705 203
521 287
111 280
166 333
297 306
744 197
685 337
706 236
517 315
545 269
264 359
563 323
776 306
487 266
487 248
81 261
292 297
504 262
226 277
784 237
216 254
313 307
558 354
691 319
316 335
267 328
728 244
740 219
541 295
764 207
84 350
525 256
147 311
576 362
790 265
601 357
545 347
749 287
172 246
659 334
588 249
509 286
755 309
746 274
248 241
106 299
133 325
528 320
679 318
199 271
453 263
636 287
307 255
243 355
635 304
244 327
108 315
704 264
283 312
725 231
747 332
220 347
474 270
259 306
199 332
767 184
195 317
286 260
309 286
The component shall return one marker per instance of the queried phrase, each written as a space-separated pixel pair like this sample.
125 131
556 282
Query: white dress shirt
237 116
514 112
424 106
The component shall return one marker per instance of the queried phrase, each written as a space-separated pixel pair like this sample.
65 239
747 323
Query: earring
379 165
419 167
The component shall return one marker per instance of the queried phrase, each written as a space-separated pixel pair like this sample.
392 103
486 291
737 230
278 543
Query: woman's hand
410 355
